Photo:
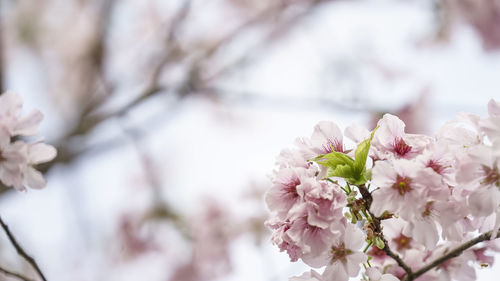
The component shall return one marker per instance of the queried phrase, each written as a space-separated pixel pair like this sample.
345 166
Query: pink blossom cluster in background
482 15
395 205
18 157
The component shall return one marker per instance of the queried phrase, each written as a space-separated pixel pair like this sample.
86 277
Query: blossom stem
21 251
368 217
367 247
348 187
367 196
451 254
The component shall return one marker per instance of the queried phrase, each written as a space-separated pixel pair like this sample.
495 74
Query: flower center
438 168
333 145
402 242
428 209
290 187
376 252
491 176
339 253
402 185
401 147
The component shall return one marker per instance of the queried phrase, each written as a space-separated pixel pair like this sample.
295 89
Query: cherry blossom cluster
392 206
18 156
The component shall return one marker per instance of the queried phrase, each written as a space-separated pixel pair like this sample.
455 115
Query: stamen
401 147
402 185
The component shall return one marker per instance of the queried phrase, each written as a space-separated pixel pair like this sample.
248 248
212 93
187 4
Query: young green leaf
341 165
331 160
361 154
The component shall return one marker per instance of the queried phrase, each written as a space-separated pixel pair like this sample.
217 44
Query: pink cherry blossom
491 125
343 258
403 185
391 141
17 159
283 195
308 235
427 194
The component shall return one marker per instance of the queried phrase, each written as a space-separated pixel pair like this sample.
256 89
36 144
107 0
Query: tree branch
367 196
13 274
451 254
21 251
410 275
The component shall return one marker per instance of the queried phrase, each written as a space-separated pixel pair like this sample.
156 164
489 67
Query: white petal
354 238
493 107
10 104
335 272
483 202
34 178
41 152
354 262
373 274
28 125
389 277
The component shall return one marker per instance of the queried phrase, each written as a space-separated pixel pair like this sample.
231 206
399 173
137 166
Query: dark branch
20 250
452 254
410 276
367 196
13 274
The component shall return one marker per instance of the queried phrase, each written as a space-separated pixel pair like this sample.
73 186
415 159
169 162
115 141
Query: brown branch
88 118
14 274
410 275
367 196
20 250
451 254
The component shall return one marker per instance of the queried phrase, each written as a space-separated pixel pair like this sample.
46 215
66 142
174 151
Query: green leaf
338 164
333 159
361 154
341 170
341 165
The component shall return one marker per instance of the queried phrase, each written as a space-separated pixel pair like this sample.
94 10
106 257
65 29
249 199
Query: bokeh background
168 115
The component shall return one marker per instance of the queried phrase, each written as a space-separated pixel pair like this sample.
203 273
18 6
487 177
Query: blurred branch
276 32
277 99
160 209
20 250
88 119
13 274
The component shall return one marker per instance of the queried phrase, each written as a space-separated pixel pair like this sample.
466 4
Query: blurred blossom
211 90
416 115
482 15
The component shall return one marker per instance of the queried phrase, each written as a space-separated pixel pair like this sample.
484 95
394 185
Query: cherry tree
395 206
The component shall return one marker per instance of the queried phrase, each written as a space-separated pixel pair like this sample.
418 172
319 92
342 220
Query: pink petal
28 125
34 178
493 107
41 152
10 104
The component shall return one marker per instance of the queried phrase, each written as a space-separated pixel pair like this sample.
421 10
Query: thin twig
451 254
14 274
410 275
367 196
88 119
21 251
